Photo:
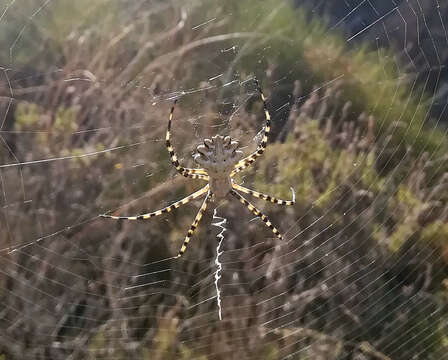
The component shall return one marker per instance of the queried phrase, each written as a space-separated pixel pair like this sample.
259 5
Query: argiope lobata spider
221 161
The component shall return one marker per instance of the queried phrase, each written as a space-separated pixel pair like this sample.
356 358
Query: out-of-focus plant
367 193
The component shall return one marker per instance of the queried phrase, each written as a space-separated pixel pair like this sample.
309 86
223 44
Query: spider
221 161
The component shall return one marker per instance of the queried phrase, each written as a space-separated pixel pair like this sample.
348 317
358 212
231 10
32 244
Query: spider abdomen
220 187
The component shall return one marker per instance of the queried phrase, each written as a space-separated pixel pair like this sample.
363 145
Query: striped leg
194 226
187 172
167 209
258 213
266 197
244 163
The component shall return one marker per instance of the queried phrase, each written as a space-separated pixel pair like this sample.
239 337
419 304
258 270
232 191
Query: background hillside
359 131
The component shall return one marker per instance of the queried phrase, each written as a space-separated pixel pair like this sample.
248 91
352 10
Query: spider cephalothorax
218 157
221 161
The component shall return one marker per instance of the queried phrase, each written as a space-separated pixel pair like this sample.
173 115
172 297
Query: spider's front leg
257 213
187 172
244 163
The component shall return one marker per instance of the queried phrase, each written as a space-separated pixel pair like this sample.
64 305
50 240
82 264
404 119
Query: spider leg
244 163
194 226
264 196
258 213
197 176
167 209
187 172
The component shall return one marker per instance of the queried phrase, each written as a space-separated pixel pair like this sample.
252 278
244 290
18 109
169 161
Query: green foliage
50 130
270 352
65 121
97 341
307 50
407 209
279 34
27 116
402 233
279 42
39 38
405 205
406 198
436 234
314 167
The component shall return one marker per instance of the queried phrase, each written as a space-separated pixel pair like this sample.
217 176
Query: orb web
357 94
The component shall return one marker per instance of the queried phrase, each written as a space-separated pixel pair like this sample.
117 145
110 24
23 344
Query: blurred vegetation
364 271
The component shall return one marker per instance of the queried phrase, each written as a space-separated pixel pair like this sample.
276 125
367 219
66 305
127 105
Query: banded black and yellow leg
187 172
198 176
258 213
244 163
194 226
266 197
167 209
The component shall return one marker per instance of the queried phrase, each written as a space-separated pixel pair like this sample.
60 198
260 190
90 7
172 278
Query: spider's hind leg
167 209
266 197
257 213
194 226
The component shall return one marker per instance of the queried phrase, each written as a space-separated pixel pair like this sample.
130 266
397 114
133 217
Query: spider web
358 101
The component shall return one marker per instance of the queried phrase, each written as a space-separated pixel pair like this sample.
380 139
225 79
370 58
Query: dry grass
365 262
